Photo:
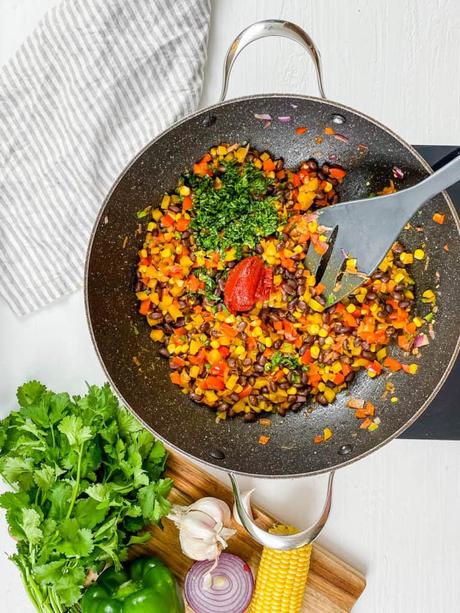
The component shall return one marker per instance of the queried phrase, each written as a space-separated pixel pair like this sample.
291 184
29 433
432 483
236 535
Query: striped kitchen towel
86 91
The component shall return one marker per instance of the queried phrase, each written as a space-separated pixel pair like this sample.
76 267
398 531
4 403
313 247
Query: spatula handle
437 182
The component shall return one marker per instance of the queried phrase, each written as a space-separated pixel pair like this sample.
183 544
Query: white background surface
395 514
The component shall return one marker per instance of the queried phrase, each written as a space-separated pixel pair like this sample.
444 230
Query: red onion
341 137
285 119
362 148
231 588
263 116
397 172
421 340
267 123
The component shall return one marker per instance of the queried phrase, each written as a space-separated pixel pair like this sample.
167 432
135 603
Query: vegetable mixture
244 324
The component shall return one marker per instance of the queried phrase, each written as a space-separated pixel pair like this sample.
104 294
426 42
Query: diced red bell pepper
214 383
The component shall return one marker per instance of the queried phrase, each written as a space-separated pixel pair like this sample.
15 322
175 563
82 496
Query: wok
121 335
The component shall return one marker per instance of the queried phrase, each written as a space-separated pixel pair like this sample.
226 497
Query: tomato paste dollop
248 282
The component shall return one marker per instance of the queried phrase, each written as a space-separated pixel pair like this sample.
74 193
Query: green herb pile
86 477
236 214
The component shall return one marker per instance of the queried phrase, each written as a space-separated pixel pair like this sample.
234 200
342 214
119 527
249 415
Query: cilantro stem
77 483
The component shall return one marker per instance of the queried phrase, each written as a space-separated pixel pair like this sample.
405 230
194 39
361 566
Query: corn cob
281 578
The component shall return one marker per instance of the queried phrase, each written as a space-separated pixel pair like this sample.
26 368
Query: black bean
196 398
241 326
325 168
335 199
234 397
388 308
251 380
281 411
291 398
223 406
404 304
242 380
259 249
231 362
259 368
350 377
164 352
296 407
301 398
284 385
321 398
262 360
272 386
369 355
247 362
277 344
250 417
312 164
397 248
371 295
252 399
155 315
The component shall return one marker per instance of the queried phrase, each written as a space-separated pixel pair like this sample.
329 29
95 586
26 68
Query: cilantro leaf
75 431
29 393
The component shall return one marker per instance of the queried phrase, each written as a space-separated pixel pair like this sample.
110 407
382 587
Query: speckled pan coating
111 303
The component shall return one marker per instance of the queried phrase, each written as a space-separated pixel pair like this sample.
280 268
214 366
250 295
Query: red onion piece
397 172
284 119
421 340
341 137
231 589
263 116
267 123
362 148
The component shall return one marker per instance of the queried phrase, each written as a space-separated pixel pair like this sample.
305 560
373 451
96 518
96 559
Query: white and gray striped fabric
87 90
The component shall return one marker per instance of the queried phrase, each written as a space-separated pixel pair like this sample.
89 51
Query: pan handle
276 541
271 27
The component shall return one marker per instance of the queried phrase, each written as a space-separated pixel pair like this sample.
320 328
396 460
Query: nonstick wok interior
121 334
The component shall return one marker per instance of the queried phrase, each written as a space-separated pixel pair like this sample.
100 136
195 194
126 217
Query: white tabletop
395 514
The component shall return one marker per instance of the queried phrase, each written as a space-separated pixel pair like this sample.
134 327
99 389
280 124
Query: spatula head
363 230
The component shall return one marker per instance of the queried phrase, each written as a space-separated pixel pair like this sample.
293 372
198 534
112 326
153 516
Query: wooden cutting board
333 586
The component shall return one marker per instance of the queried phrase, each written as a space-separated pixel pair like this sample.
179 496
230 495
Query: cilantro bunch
86 477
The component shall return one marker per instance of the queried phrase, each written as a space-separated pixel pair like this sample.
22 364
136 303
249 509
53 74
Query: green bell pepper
145 585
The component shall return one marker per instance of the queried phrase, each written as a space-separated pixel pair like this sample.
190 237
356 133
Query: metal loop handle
271 27
276 541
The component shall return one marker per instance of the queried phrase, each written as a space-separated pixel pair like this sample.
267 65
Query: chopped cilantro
282 360
238 213
210 284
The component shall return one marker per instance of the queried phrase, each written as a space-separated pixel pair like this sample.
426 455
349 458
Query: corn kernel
412 369
157 335
231 382
316 306
372 427
184 190
351 308
314 351
419 254
291 391
394 399
268 341
165 201
327 434
240 351
257 331
329 394
313 329
418 322
322 332
406 258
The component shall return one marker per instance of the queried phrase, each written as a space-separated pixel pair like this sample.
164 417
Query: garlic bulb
203 527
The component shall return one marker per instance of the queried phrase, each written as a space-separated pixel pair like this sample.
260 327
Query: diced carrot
296 180
392 364
410 328
281 174
167 220
306 357
346 368
269 165
187 203
361 413
337 173
370 409
246 391
319 289
318 439
339 378
375 366
329 130
263 439
404 342
301 130
228 330
214 383
145 307
176 378
366 423
193 283
439 218
355 403
182 224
